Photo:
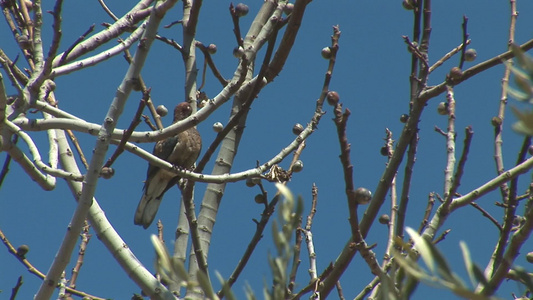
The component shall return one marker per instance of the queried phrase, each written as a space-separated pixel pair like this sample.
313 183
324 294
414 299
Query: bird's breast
187 148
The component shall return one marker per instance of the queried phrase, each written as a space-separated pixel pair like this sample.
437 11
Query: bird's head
182 111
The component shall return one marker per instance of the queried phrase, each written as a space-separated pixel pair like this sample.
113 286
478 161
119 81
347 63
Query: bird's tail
154 189
146 210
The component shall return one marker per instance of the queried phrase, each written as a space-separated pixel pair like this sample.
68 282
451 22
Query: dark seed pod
409 49
161 110
250 182
107 172
24 41
297 129
297 166
408 4
362 195
456 73
442 109
333 98
404 118
470 54
529 257
326 52
496 121
218 127
384 219
384 151
238 52
212 48
22 250
241 10
259 199
50 85
288 8
136 84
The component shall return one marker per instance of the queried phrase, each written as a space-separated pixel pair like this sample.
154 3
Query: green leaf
523 81
523 59
179 269
228 293
467 294
525 277
468 262
205 285
442 264
422 247
480 277
287 205
411 267
518 95
285 191
525 123
250 295
163 263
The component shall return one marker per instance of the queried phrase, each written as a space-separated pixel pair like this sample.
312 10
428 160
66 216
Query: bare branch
32 269
89 186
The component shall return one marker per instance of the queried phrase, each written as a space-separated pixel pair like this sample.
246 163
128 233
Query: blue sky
372 78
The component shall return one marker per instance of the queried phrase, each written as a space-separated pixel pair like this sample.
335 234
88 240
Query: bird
181 150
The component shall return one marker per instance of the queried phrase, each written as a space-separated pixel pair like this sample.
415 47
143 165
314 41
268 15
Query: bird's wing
162 149
181 150
156 184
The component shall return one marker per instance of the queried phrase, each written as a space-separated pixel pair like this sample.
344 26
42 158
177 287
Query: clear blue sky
371 75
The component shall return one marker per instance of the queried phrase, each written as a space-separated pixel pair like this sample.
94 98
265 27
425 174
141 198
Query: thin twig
367 289
85 238
107 10
7 162
339 290
406 186
416 51
260 227
134 123
510 209
236 26
309 235
63 58
295 258
486 214
448 56
148 122
146 96
442 236
462 161
312 285
450 148
138 13
497 122
74 140
56 39
464 27
244 108
389 144
434 91
16 288
209 60
187 192
427 213
33 270
359 242
516 242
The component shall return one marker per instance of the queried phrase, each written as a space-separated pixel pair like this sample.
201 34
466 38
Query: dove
181 150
